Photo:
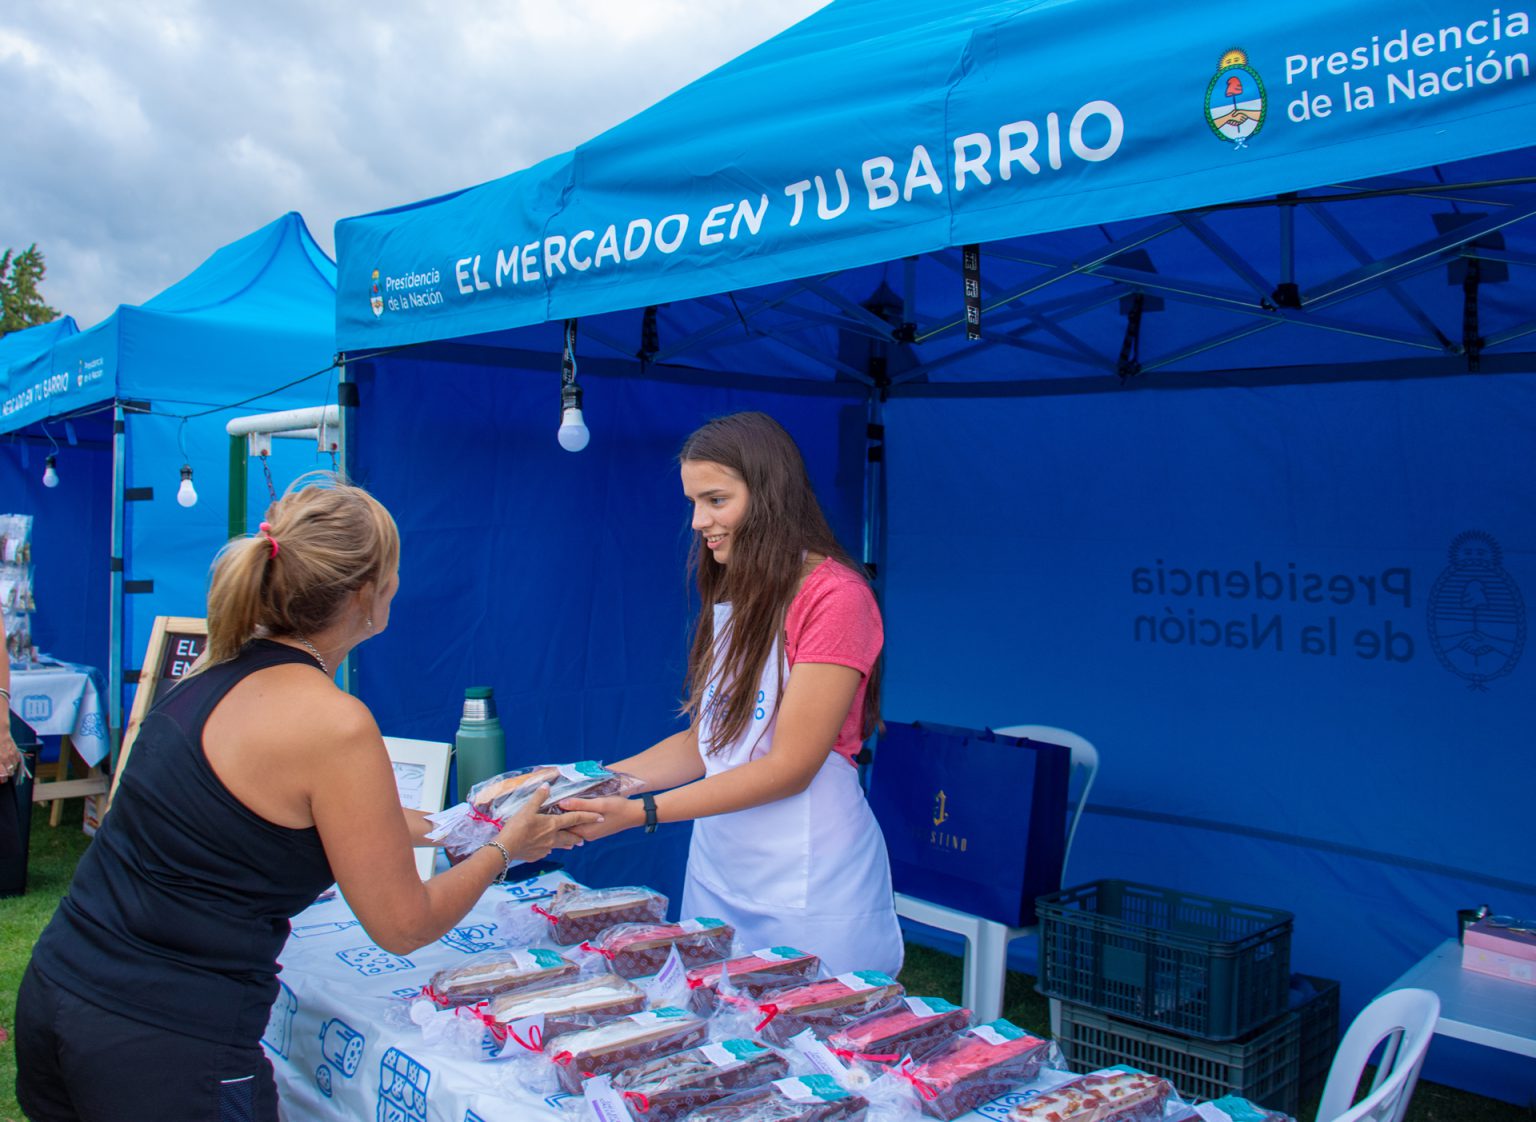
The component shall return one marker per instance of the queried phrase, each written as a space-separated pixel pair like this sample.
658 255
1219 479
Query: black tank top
181 904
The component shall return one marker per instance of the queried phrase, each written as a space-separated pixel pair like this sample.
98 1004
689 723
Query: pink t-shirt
834 618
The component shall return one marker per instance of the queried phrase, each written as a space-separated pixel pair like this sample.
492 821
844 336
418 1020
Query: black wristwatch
648 801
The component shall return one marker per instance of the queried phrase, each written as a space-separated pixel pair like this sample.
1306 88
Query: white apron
808 871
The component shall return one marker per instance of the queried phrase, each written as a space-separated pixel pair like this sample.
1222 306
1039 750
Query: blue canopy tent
1230 482
253 317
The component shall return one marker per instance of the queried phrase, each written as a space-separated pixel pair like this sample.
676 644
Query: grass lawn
927 972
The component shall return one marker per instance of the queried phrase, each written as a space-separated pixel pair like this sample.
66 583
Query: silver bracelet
506 860
7 695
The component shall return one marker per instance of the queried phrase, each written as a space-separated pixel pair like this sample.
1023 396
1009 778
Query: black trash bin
16 813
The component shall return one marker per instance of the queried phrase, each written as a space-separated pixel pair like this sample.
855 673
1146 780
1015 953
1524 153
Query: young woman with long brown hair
783 686
253 784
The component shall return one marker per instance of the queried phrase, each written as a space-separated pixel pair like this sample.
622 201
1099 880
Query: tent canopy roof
245 319
814 192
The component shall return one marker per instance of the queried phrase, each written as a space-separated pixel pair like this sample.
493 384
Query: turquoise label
1006 1029
742 1049
785 952
708 921
545 958
938 1004
824 1087
874 977
592 769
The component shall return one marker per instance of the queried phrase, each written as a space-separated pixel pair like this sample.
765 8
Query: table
1480 1008
338 1051
64 701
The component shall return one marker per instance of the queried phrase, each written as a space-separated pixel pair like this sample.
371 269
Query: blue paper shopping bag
972 820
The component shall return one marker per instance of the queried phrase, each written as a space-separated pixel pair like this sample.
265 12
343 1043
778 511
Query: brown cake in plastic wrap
618 1044
578 913
637 949
825 1006
666 1088
500 972
976 1066
500 796
800 1098
568 1006
751 974
1103 1096
913 1028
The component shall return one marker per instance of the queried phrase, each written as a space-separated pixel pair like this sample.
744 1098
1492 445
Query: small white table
1494 1012
62 700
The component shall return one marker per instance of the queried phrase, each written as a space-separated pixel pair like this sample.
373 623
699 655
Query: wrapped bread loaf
826 1006
572 1005
1114 1095
801 1098
500 796
635 949
913 1028
666 1088
618 1044
499 972
751 974
975 1066
577 913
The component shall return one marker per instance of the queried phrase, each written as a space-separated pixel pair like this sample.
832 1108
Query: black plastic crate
1262 1067
1315 1001
1197 965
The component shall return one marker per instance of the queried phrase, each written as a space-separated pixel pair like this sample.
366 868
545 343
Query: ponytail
322 541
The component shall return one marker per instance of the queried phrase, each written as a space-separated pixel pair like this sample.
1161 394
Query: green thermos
479 747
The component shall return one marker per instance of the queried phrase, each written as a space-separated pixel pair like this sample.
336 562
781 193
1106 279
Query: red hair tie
267 530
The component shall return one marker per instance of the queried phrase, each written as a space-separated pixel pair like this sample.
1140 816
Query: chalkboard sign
175 642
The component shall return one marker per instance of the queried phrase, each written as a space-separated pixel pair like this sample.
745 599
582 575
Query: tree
21 305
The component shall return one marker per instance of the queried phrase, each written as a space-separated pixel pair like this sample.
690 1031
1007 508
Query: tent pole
115 599
346 398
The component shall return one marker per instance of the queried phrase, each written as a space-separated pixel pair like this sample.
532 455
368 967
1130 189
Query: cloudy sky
136 138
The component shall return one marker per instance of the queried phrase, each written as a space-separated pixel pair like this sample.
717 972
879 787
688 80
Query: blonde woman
253 785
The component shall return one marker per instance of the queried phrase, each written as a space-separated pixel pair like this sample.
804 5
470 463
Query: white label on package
670 974
606 1103
989 1034
818 1055
729 1053
702 923
929 1006
860 980
810 1089
777 954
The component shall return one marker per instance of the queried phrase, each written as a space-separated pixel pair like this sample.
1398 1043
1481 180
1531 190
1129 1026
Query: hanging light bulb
50 475
186 494
573 434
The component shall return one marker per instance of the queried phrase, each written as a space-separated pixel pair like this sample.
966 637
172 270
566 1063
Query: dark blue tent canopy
1231 482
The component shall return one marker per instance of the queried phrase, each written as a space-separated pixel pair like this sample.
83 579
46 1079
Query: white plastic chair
986 941
1402 1022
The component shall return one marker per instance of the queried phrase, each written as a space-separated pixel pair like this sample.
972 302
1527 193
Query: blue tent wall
557 579
1292 764
257 314
71 534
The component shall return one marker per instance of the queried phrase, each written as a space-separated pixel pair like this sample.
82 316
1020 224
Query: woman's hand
10 757
613 813
529 835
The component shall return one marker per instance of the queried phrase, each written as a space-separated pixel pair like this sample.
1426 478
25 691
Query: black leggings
78 1062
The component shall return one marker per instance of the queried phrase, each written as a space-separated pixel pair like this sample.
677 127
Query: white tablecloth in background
60 701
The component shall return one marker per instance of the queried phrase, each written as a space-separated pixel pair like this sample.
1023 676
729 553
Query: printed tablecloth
63 700
337 1051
